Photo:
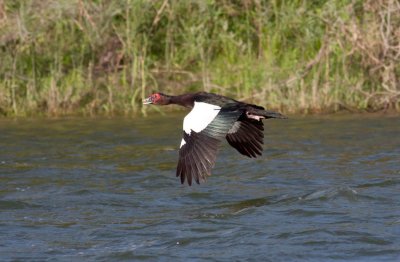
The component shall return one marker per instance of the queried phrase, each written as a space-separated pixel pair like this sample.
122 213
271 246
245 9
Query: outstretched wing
204 128
246 136
196 157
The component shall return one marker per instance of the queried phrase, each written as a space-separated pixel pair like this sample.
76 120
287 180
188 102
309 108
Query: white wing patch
201 115
183 142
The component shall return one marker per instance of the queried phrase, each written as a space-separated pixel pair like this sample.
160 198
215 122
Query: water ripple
325 189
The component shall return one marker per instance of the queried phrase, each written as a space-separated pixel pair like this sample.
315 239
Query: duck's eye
155 97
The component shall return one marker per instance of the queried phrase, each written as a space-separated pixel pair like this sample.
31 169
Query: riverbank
101 58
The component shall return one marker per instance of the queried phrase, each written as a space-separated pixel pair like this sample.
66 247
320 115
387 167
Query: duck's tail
265 113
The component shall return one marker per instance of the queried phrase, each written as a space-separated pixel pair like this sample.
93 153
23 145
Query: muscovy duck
213 118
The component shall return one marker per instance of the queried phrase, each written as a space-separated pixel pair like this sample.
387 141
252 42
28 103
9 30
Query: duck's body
213 118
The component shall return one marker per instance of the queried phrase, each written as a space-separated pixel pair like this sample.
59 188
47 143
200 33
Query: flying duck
212 118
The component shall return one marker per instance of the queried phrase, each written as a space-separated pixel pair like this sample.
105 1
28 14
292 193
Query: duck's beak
147 101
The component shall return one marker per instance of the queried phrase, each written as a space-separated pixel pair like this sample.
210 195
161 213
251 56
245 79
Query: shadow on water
327 188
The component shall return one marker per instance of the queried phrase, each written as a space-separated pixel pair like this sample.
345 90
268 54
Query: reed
102 57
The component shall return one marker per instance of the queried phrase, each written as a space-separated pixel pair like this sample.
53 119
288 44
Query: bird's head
157 99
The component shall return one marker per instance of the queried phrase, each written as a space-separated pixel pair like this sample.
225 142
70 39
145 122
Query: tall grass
104 56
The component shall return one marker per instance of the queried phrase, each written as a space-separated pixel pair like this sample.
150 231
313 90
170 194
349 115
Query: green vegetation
104 56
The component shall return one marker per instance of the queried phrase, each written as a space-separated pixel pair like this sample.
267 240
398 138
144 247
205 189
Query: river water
326 189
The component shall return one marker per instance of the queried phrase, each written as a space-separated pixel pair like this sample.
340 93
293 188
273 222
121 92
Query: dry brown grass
102 57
